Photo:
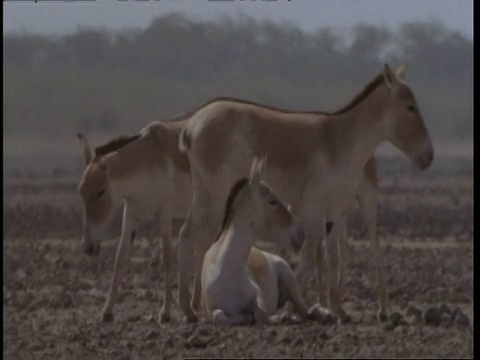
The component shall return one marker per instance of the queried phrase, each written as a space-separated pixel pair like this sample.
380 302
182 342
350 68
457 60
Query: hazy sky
57 17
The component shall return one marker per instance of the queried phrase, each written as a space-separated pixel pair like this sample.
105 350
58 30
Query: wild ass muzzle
151 178
316 164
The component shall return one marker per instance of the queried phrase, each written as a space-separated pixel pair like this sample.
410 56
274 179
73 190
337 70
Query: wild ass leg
185 258
200 250
312 255
335 304
200 224
344 254
289 282
260 312
166 232
367 199
121 260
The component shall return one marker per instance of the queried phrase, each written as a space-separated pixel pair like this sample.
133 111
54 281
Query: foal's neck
238 239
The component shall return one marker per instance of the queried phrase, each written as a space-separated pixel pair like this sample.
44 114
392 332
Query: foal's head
95 190
404 126
269 219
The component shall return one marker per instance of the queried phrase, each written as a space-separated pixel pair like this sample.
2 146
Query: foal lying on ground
241 284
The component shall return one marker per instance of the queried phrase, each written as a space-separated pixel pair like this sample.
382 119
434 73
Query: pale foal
241 284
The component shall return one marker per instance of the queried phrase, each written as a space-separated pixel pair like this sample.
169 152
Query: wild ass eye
412 108
272 202
101 194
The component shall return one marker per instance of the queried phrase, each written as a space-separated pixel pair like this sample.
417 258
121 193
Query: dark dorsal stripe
180 117
367 90
230 201
114 145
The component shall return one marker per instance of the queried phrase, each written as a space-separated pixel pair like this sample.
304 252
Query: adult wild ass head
404 126
95 190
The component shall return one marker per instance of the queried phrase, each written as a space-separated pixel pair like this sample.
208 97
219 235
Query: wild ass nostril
426 160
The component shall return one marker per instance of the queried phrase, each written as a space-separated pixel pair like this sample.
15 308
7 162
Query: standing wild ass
164 193
152 178
241 284
316 164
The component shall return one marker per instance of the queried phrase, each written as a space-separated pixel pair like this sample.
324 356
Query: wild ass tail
184 140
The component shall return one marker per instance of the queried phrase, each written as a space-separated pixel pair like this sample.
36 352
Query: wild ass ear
389 76
258 169
262 165
108 160
87 153
401 71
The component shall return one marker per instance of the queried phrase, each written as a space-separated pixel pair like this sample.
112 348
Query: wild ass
152 178
164 193
316 164
241 284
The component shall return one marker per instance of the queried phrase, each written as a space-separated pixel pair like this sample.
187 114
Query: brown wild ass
146 173
316 164
144 196
241 284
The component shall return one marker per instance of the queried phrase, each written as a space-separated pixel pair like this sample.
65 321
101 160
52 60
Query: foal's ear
108 160
257 170
262 165
401 71
389 77
87 153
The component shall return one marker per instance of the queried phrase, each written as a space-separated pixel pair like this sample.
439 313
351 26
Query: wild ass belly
153 192
331 190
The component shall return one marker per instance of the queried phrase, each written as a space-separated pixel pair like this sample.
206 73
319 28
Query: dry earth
53 294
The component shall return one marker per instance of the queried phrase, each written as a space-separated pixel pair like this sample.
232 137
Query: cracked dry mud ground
53 294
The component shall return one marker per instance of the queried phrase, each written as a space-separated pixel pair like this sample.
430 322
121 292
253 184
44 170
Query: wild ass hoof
106 316
276 319
329 319
191 318
381 316
164 317
343 317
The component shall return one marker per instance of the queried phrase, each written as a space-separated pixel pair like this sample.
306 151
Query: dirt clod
432 316
459 318
396 319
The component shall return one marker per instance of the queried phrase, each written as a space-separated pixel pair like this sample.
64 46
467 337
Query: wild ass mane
114 145
361 95
235 190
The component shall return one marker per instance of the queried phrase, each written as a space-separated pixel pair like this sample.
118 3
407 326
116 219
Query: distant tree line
94 81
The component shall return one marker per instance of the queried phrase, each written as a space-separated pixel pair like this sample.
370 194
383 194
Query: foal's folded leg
289 282
220 318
